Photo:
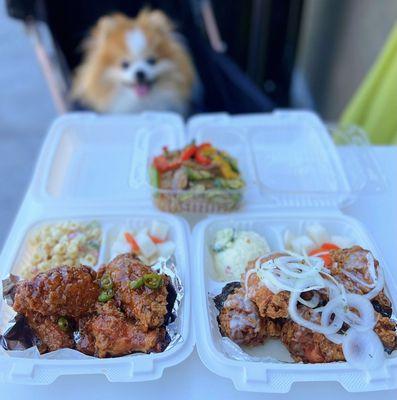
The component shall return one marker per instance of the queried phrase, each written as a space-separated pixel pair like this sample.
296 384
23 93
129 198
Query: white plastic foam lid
289 158
90 158
93 167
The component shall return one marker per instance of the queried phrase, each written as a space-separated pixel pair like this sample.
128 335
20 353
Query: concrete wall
340 41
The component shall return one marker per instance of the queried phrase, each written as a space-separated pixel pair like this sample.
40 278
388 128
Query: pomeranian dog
133 65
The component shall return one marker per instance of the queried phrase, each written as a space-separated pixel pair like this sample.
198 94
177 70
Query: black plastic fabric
224 86
21 9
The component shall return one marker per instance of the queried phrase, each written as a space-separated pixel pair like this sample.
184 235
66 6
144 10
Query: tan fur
106 47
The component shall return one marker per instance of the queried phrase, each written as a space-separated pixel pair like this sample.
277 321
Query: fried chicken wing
307 346
67 291
50 336
70 307
239 320
147 306
85 341
312 347
270 305
111 334
249 312
351 268
382 304
385 328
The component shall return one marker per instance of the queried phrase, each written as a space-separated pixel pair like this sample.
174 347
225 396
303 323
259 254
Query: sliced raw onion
336 338
312 303
380 282
371 266
365 309
333 327
289 272
361 282
298 274
341 308
363 351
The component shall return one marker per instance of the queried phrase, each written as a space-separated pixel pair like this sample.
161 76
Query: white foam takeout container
95 167
298 176
273 375
83 174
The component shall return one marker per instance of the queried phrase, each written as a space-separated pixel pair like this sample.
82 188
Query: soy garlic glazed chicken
122 309
325 307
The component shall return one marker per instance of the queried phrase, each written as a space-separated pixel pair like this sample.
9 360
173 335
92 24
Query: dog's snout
140 76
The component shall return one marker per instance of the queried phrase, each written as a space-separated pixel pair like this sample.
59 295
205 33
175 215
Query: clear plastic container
214 200
270 368
310 171
189 201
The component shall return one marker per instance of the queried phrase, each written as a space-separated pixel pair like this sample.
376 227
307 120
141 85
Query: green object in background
374 105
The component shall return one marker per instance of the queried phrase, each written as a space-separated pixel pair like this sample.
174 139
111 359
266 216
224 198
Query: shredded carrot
327 259
325 248
315 251
156 240
130 239
329 246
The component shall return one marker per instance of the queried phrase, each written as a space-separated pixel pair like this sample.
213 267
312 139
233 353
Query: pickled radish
318 233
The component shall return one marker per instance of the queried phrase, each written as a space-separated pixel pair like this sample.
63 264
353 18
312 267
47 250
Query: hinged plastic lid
93 159
287 158
290 158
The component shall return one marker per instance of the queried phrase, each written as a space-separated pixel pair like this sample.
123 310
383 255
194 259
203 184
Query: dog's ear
107 24
156 19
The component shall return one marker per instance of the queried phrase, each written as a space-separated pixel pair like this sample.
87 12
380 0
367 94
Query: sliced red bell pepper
188 152
200 157
327 259
204 146
329 246
163 165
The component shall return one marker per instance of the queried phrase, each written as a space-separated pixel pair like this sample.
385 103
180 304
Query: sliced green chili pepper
105 295
106 282
197 175
153 281
154 177
63 324
138 283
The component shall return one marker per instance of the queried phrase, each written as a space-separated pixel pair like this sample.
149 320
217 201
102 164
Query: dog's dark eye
125 64
151 60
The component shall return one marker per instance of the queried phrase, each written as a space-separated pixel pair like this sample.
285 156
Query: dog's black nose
140 76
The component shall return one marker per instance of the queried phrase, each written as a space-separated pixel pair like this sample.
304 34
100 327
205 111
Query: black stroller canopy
225 87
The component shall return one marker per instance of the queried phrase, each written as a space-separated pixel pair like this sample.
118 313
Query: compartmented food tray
269 368
136 367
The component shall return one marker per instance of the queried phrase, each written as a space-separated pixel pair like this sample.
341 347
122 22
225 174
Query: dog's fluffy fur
133 65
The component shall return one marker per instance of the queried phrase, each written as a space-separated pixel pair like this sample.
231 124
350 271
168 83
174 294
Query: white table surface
191 380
